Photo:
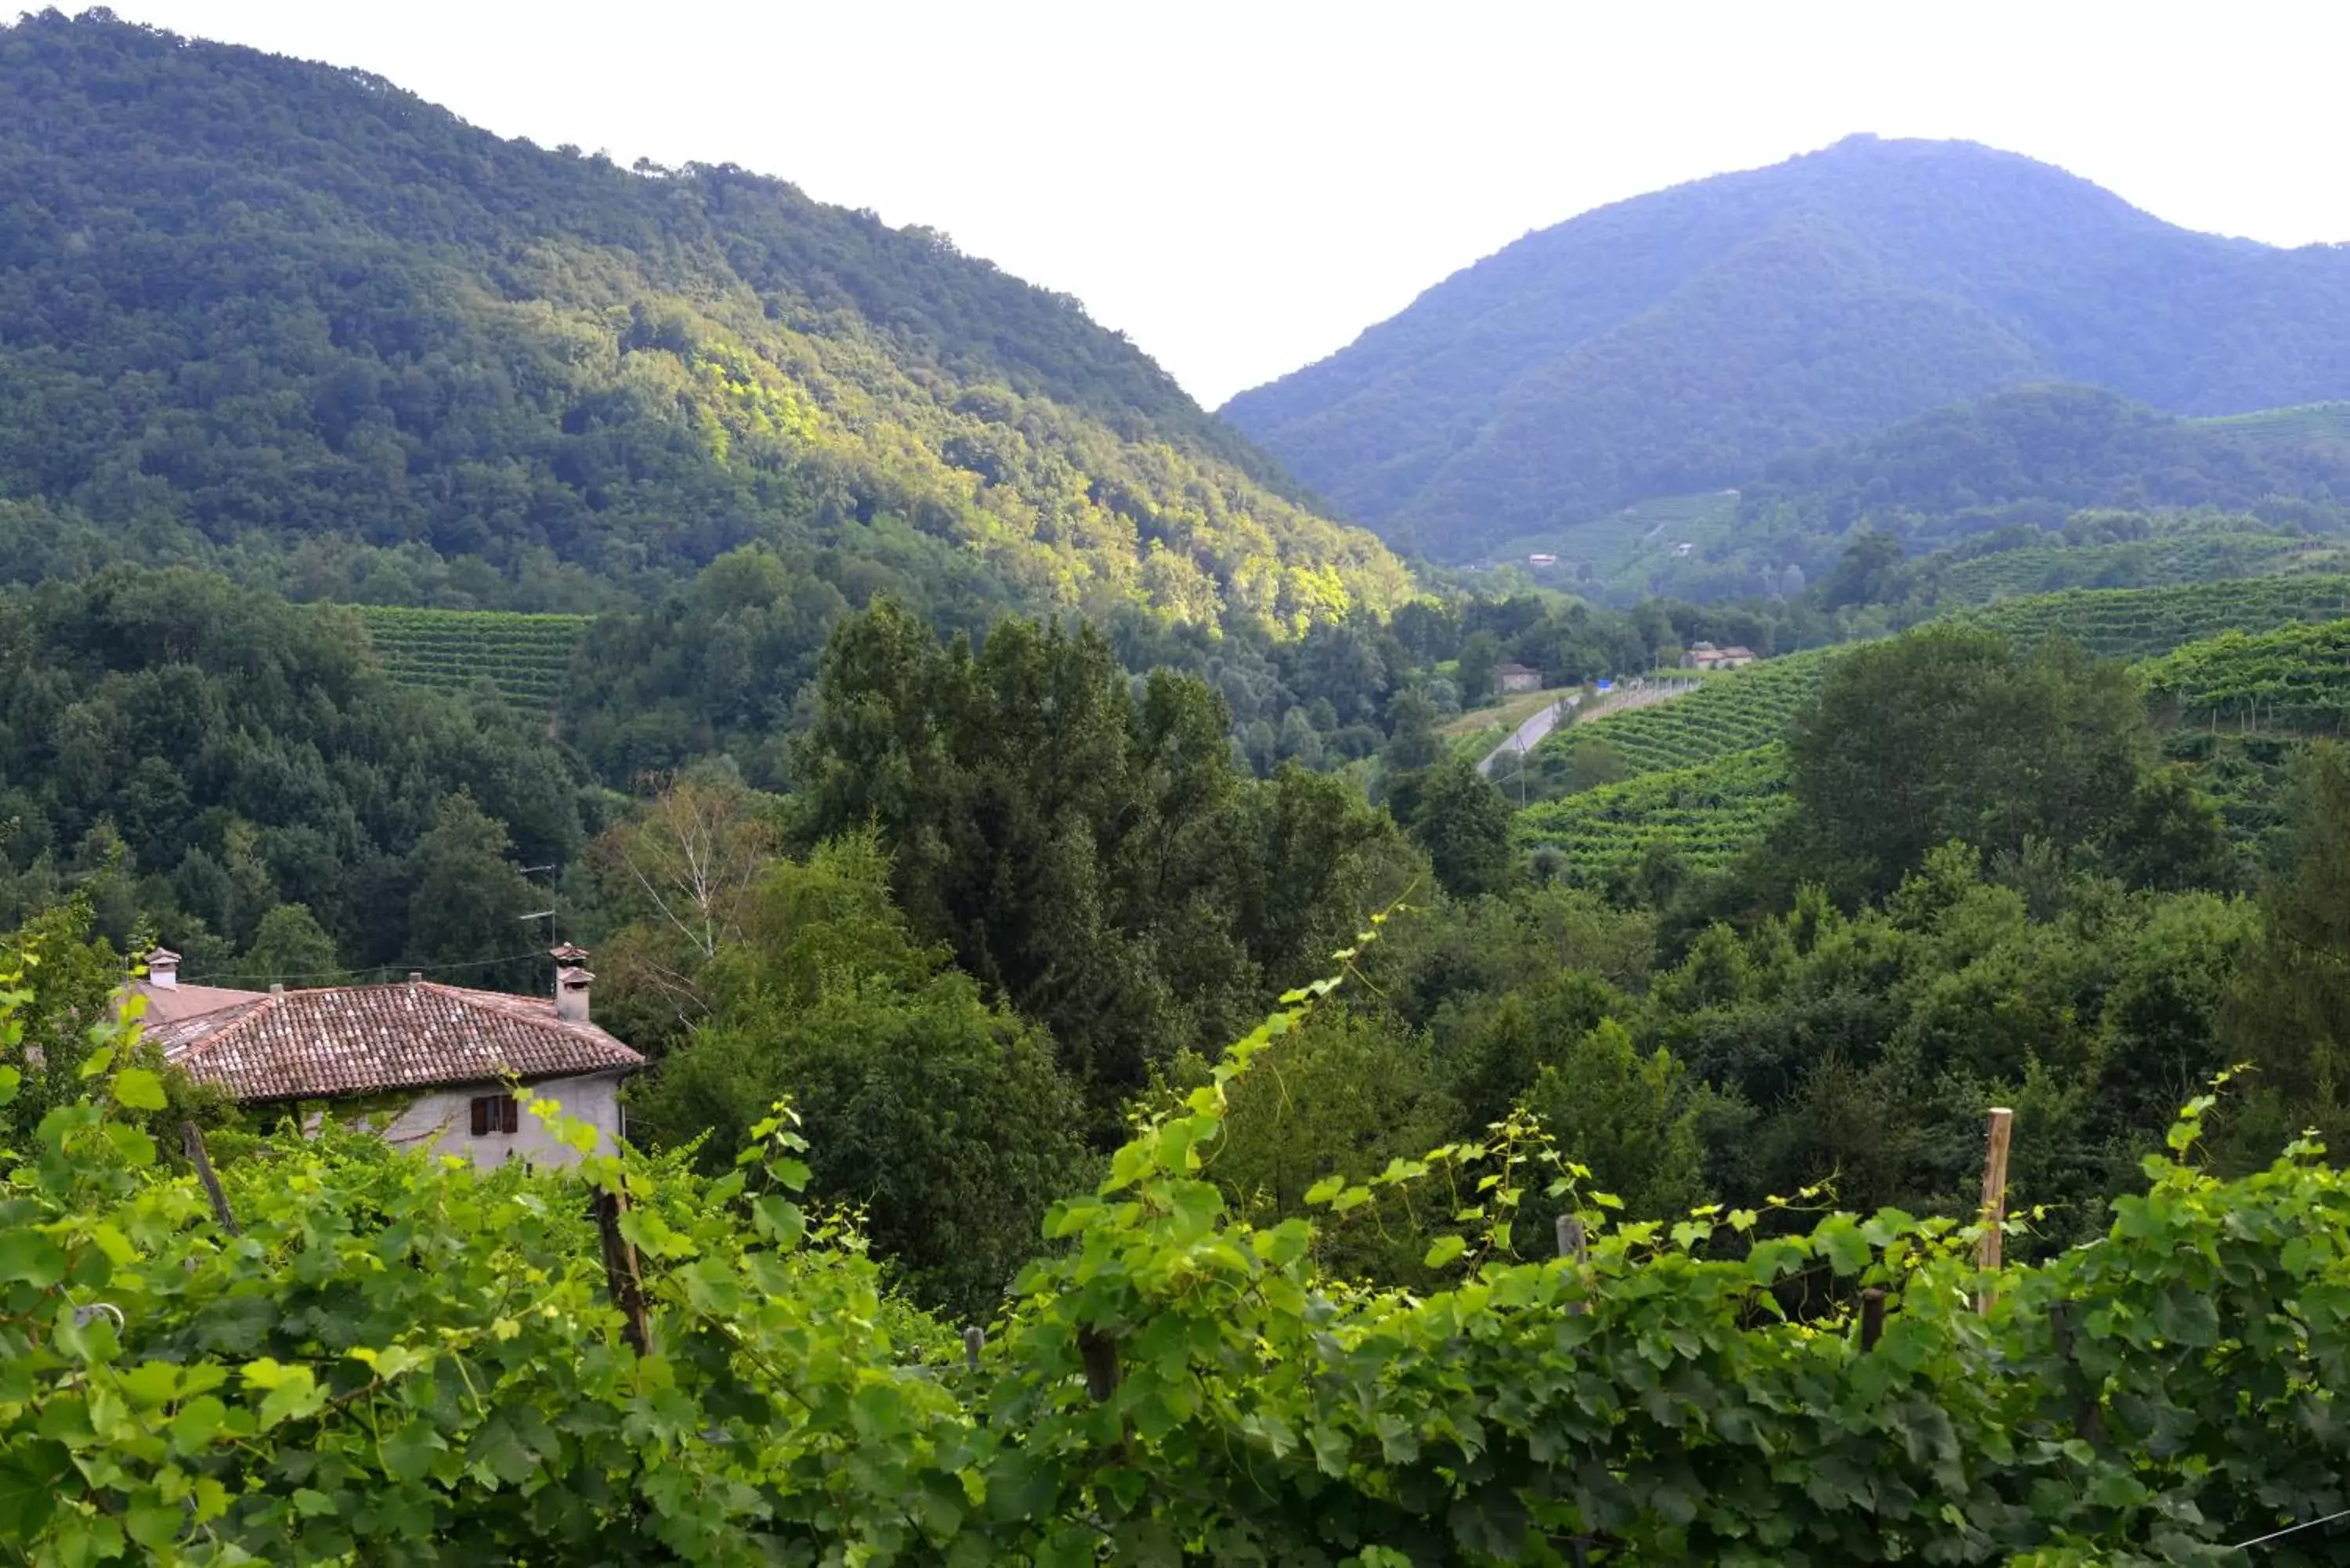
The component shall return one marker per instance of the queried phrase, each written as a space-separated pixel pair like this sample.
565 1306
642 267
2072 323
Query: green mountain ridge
1681 340
261 305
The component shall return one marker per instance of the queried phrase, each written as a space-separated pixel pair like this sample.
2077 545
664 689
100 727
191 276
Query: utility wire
346 975
2289 1530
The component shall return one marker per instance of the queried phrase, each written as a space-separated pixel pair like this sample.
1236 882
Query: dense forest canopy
295 321
1681 340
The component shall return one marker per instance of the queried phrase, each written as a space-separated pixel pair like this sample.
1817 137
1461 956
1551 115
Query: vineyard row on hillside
1707 778
527 658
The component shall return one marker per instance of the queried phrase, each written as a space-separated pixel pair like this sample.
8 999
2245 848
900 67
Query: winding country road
1535 730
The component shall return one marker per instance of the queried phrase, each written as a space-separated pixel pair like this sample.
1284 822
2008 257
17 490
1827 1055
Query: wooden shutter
513 1114
481 1116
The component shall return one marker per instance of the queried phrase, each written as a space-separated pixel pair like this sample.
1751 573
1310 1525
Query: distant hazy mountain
1681 340
262 306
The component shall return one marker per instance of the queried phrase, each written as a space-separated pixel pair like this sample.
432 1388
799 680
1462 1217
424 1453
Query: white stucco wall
442 1120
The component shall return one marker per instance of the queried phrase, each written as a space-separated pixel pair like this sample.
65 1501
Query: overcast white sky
1244 185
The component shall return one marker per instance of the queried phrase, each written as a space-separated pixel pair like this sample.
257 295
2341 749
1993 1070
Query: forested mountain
287 318
1681 340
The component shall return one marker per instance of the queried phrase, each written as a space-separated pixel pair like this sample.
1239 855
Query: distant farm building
1542 562
1516 677
1705 656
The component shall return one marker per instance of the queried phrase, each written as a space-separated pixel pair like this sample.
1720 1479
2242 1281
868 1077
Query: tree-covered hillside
2026 491
1681 340
2052 449
281 312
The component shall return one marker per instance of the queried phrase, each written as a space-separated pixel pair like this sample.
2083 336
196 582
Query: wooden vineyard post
1098 1351
1994 1199
1573 1246
1872 1318
620 1276
192 1142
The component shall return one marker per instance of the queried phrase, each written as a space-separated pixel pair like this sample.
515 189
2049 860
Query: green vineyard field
2295 679
1707 776
2141 623
1728 714
1617 550
1705 814
2148 563
2297 425
527 658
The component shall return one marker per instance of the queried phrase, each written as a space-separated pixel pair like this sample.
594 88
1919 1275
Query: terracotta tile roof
167 1004
366 1039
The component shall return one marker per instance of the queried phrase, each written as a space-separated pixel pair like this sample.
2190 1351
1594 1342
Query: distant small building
1684 548
1705 656
1516 677
434 1063
1542 562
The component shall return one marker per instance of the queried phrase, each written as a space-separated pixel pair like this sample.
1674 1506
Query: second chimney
571 982
162 968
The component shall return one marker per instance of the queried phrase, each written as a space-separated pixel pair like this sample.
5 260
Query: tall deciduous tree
1093 854
940 1116
680 872
2291 1013
469 898
1463 823
1629 1116
1949 733
290 946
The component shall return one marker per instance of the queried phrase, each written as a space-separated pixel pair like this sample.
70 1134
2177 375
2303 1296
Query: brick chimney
162 968
571 982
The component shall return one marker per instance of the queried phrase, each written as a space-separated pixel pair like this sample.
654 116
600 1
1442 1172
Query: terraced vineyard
2295 680
1707 775
1705 814
2297 425
525 657
2140 623
2148 563
1729 713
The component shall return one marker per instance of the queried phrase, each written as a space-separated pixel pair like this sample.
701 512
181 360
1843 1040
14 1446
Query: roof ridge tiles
345 1040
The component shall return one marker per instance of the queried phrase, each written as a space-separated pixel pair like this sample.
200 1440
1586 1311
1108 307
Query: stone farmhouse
433 1064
